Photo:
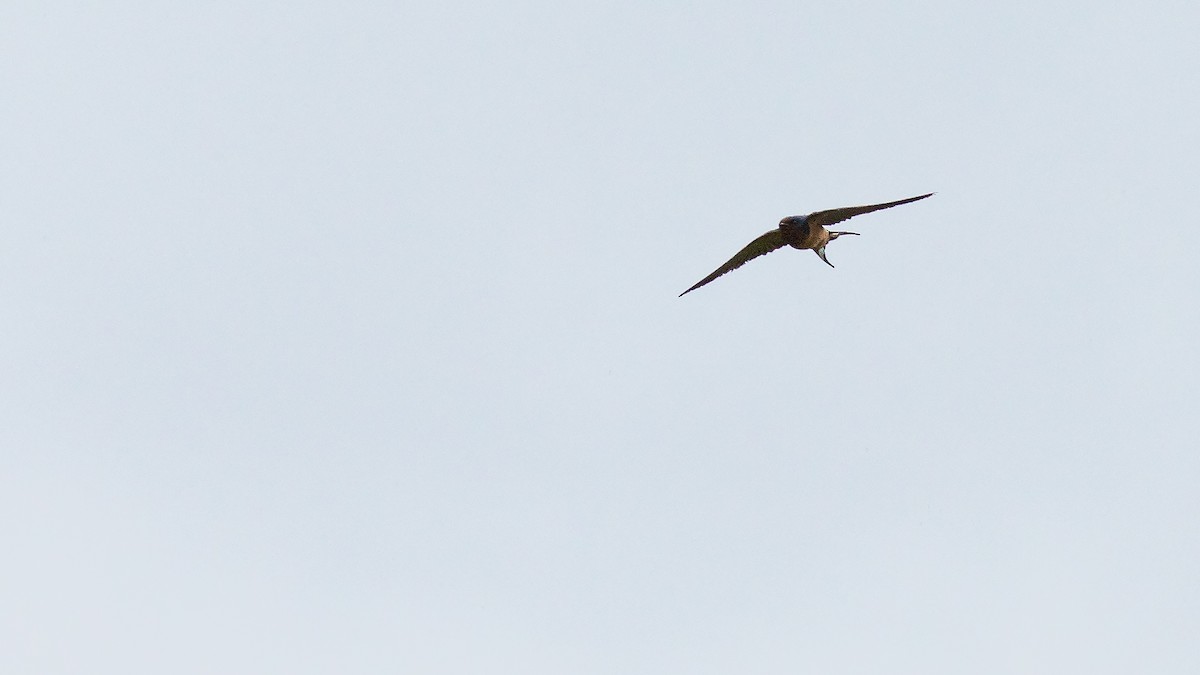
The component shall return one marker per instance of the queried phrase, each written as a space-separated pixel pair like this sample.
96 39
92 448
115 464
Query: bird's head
832 236
794 222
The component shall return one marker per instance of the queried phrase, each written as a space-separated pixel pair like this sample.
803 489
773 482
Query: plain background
343 337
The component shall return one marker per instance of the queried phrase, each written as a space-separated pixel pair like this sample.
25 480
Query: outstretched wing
834 216
761 246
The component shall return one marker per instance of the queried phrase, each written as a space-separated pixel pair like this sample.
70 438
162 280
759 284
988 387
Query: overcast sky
343 338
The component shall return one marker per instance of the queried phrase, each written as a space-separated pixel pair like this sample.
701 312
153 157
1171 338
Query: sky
344 337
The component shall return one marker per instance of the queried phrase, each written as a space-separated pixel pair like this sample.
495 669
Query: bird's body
798 234
802 232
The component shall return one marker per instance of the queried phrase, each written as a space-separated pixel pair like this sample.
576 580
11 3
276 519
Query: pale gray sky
343 337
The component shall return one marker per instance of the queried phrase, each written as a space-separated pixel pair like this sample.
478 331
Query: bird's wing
761 246
834 216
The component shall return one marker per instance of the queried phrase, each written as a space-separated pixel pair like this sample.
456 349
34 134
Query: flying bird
799 232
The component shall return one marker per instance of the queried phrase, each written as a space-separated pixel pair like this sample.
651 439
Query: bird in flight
799 232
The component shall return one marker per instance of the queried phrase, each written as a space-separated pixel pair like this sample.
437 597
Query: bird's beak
821 252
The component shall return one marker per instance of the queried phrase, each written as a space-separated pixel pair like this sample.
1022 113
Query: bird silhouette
799 232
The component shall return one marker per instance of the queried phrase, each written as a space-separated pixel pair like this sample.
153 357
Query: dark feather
761 246
835 216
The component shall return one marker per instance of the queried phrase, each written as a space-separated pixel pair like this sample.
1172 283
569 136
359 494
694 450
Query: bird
800 232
